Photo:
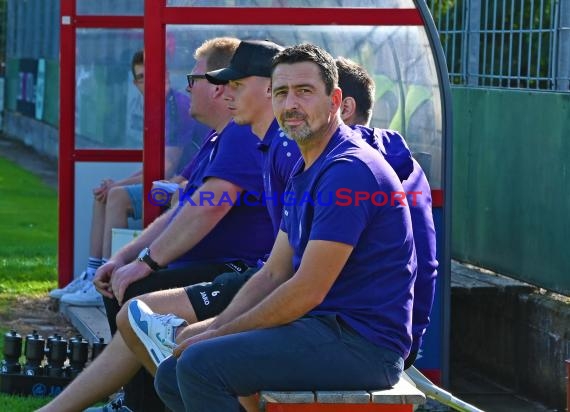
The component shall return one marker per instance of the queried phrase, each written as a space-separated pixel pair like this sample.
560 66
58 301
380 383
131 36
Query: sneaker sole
154 352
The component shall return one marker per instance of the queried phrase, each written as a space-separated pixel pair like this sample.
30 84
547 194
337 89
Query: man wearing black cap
248 96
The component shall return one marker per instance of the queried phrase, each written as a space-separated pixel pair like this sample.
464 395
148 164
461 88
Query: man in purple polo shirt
358 99
338 283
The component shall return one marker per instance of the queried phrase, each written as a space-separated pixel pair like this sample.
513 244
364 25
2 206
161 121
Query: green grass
28 249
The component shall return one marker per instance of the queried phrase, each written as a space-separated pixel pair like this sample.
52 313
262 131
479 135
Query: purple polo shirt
425 241
394 148
279 156
203 152
373 293
245 233
181 129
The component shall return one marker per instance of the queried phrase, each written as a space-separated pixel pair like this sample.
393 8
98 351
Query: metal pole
473 34
568 385
563 70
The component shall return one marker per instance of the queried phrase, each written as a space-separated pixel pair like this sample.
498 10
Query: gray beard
301 135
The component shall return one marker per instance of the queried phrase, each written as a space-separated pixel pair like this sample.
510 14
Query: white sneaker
72 287
87 296
115 405
156 332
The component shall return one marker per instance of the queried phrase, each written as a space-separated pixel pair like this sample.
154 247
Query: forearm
285 304
254 291
295 294
171 161
194 220
132 249
187 229
134 179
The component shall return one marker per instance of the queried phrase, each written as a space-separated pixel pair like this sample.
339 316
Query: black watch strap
145 257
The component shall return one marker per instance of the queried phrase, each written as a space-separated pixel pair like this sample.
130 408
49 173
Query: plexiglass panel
111 7
399 59
408 4
108 107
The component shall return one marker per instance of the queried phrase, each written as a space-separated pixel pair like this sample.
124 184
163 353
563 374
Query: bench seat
401 398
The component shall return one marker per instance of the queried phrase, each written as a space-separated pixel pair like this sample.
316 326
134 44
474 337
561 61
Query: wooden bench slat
288 397
404 393
342 397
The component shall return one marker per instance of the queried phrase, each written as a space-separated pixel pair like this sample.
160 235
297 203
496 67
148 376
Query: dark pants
139 392
314 352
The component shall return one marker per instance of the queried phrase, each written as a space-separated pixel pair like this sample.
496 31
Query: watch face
142 254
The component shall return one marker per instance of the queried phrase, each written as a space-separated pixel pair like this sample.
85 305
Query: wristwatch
144 256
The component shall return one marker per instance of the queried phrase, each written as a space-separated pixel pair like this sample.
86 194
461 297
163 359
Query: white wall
88 175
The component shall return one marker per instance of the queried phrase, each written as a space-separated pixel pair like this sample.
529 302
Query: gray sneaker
156 332
116 405
75 285
86 296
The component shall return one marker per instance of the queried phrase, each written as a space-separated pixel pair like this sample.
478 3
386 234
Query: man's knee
165 381
196 359
118 197
123 317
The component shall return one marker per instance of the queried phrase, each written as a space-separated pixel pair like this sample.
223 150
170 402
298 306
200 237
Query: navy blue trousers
312 353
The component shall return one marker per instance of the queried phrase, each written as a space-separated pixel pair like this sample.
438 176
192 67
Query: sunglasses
192 79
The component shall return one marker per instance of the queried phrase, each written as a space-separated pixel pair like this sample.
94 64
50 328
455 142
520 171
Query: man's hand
181 347
122 277
100 193
102 279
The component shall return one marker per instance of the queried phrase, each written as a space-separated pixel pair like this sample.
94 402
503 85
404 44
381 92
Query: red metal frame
66 142
155 51
437 198
291 15
68 154
109 22
154 39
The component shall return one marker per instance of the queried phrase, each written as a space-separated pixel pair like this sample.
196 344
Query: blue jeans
314 352
135 193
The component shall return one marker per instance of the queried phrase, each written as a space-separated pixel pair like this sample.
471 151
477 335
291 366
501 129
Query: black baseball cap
251 58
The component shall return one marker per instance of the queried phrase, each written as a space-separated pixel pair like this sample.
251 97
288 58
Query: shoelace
88 285
165 321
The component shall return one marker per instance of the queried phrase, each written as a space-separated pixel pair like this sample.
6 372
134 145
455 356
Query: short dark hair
307 52
355 82
137 60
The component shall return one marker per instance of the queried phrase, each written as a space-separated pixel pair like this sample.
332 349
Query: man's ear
347 108
218 90
336 99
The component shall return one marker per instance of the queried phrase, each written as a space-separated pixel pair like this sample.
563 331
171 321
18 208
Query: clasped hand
112 279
